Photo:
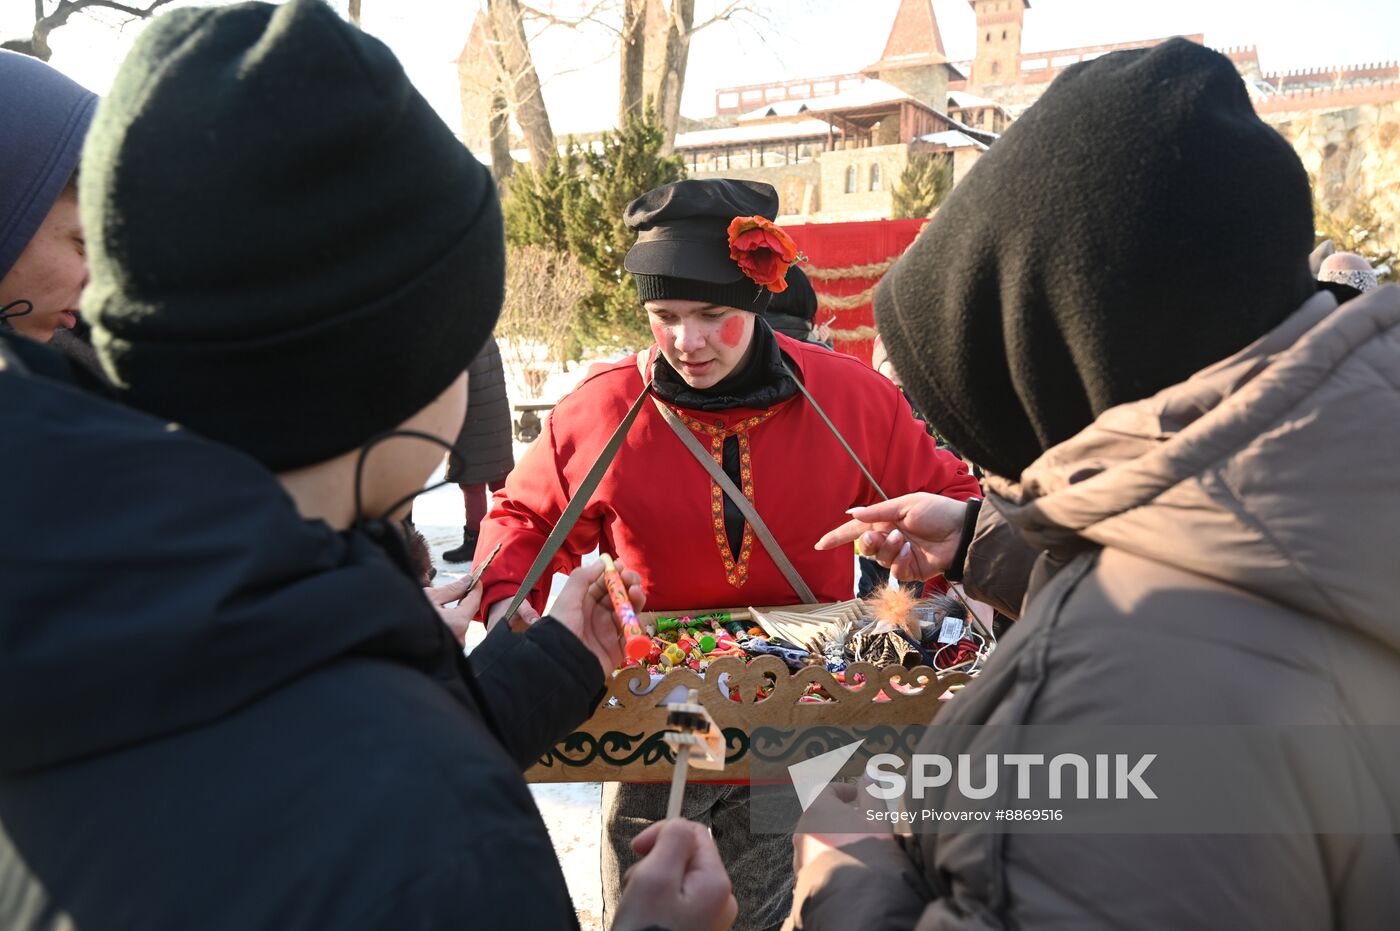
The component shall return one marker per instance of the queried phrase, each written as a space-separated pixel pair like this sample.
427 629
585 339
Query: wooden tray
623 742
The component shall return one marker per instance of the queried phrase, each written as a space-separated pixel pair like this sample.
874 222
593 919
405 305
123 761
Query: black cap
798 300
290 251
682 248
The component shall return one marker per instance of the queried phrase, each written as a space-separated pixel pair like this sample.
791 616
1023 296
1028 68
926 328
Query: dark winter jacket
482 453
214 714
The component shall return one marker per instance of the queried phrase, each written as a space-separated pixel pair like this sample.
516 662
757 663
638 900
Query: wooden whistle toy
696 740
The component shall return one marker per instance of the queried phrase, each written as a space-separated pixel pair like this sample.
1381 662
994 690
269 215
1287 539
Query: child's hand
584 607
837 817
459 616
679 883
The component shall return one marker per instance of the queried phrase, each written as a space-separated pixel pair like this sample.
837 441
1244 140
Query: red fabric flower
763 251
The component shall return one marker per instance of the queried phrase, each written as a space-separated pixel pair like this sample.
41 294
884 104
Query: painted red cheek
731 332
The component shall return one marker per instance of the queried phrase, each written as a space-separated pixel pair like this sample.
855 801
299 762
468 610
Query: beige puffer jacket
1225 552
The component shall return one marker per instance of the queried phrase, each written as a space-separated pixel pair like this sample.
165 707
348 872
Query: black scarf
759 382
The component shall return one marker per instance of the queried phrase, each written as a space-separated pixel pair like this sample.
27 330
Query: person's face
704 343
401 465
50 273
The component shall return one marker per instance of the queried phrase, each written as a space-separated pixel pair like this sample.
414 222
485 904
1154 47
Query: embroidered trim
736 571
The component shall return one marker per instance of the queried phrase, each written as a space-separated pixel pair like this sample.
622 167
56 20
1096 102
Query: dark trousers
477 502
759 865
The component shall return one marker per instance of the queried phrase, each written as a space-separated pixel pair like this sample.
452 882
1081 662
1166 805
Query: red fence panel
845 262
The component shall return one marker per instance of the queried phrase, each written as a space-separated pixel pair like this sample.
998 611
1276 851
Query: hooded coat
1192 480
1210 511
43 120
218 715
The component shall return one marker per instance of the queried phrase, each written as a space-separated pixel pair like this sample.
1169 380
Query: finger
911 566
525 615
705 878
729 912
584 576
899 564
643 842
888 551
846 533
469 604
844 791
872 541
667 862
458 625
446 594
704 854
883 512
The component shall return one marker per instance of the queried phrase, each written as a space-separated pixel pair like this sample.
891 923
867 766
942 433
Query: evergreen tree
536 201
923 185
575 205
624 165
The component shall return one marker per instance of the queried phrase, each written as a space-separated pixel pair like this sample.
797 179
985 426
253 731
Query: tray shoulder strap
576 504
836 433
745 506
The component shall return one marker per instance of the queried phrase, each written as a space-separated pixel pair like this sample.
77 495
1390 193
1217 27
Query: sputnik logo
811 776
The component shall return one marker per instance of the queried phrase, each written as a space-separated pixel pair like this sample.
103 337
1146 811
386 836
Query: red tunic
658 509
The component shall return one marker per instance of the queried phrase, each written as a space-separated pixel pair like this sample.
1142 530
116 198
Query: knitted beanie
289 251
1137 224
798 300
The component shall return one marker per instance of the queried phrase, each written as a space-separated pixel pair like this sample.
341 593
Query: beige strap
760 529
575 507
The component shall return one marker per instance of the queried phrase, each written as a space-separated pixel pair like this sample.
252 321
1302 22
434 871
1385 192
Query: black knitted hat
1137 224
290 252
798 300
682 249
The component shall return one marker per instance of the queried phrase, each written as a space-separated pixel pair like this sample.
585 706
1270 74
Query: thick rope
873 270
857 335
845 301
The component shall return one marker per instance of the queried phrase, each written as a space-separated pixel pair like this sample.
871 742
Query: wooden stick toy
481 568
697 740
638 644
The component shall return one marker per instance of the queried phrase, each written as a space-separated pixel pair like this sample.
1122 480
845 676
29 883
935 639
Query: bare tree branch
137 12
45 24
731 9
631 95
675 56
521 80
592 16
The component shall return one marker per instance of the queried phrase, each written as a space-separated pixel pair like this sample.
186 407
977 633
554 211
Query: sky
790 39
